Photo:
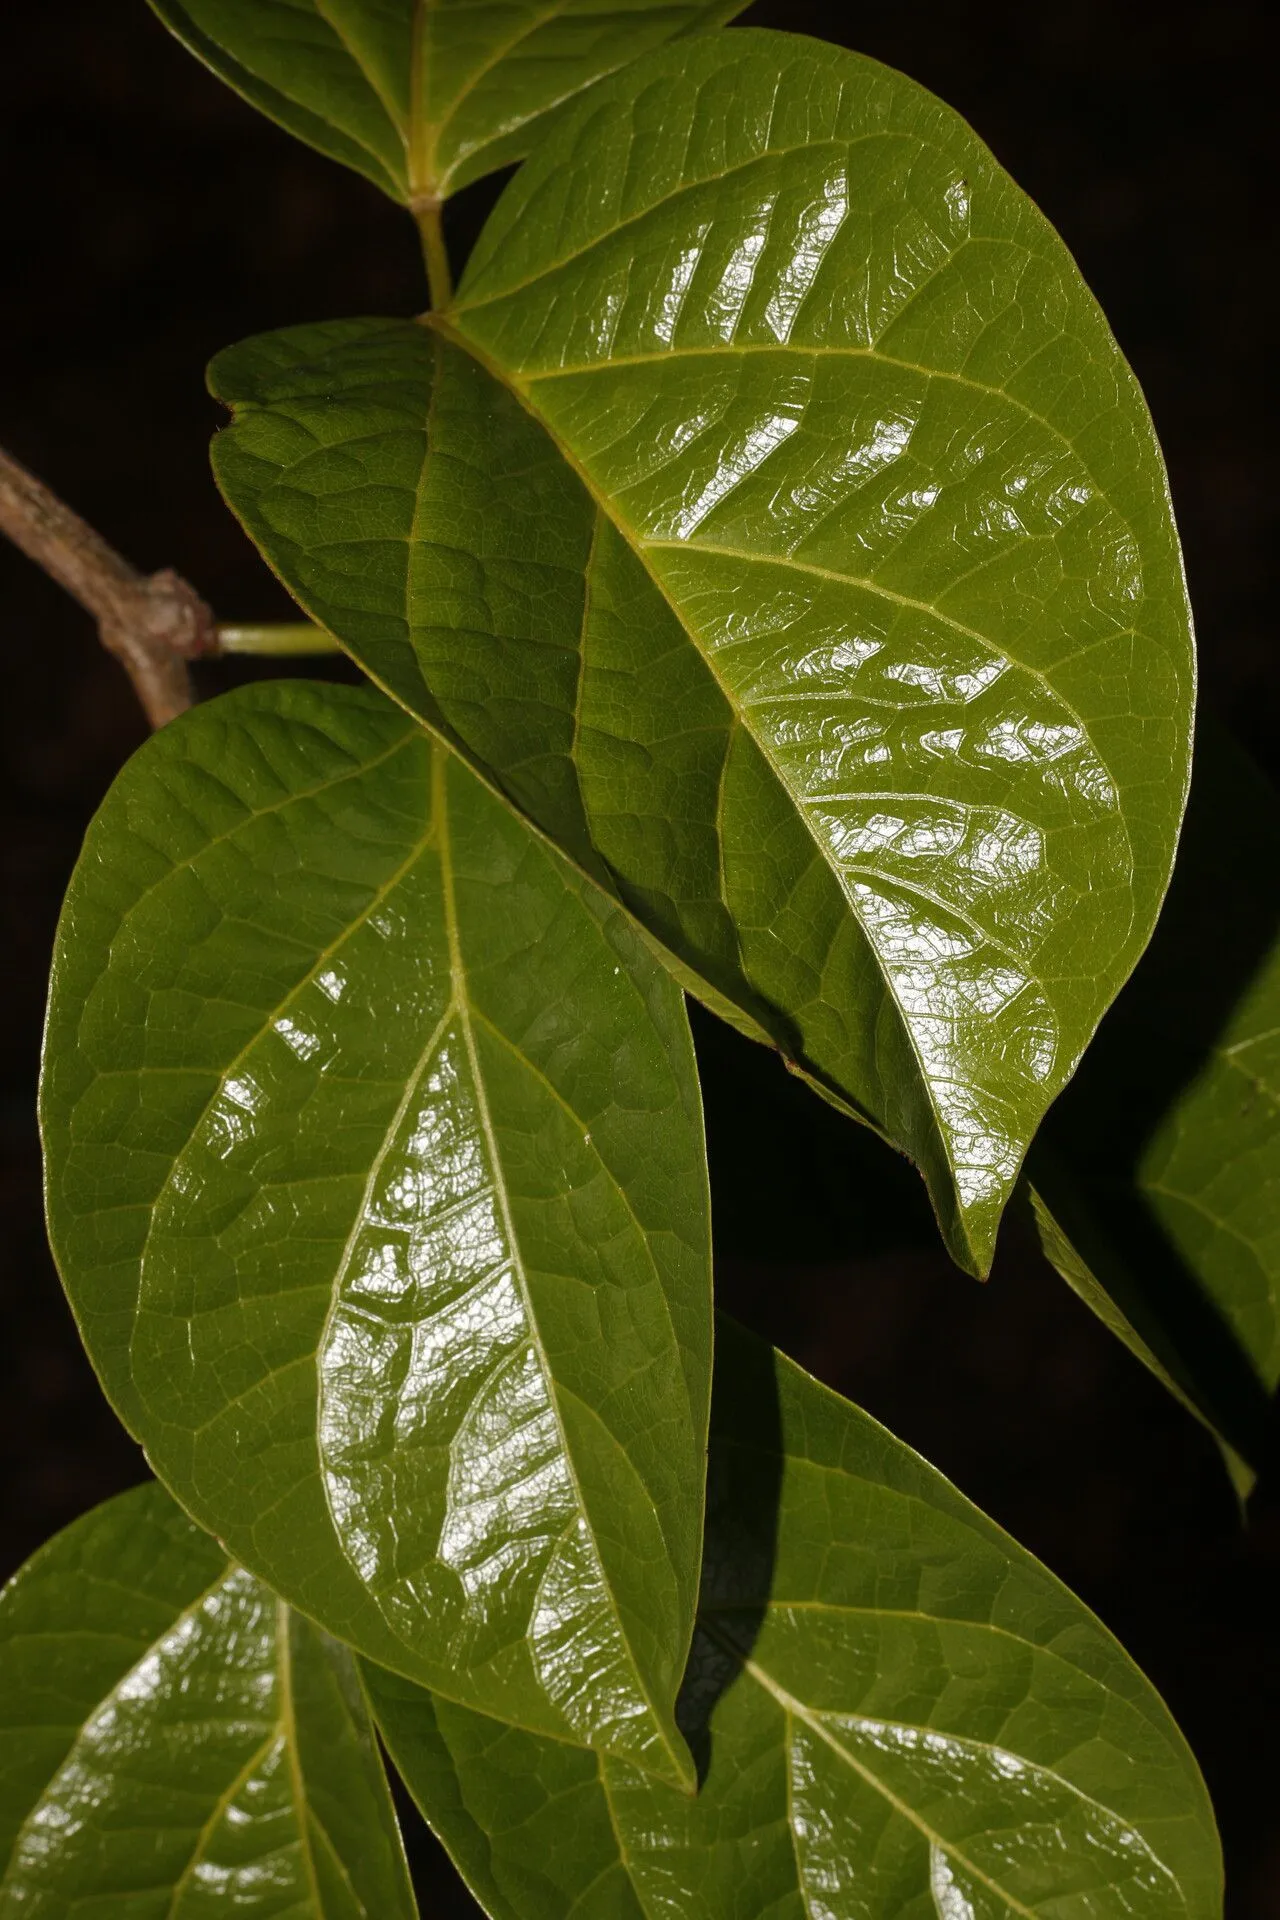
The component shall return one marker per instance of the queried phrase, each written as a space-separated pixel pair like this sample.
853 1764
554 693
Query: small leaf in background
1157 1179
177 1743
376 1179
815 572
420 97
896 1712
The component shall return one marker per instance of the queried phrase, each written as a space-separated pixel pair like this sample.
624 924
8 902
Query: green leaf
376 1179
898 1714
177 1742
423 96
1157 1180
776 518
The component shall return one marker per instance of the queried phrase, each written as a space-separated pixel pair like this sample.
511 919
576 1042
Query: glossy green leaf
775 516
176 1744
898 1715
423 96
376 1179
1157 1182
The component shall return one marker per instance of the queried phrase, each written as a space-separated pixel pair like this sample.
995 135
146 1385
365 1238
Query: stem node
153 624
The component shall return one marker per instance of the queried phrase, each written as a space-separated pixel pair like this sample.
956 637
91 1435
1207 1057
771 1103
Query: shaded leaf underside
1162 1161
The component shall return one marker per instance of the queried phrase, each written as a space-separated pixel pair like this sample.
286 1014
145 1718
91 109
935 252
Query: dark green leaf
776 518
177 1743
898 1713
423 96
1157 1182
376 1179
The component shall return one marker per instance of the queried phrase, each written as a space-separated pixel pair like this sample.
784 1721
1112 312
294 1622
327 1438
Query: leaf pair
423 96
895 1710
775 518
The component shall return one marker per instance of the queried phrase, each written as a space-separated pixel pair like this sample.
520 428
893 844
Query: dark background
151 218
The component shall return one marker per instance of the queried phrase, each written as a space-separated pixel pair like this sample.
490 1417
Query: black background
151 218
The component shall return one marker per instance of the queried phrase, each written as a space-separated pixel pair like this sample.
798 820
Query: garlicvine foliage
764 575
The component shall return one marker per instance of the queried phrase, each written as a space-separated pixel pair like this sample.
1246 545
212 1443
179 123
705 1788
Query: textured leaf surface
897 1712
1158 1181
423 96
798 547
376 1179
177 1743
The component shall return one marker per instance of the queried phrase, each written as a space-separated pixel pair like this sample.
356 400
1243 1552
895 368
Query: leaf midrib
188 1612
536 1073
797 1710
461 995
288 1727
431 131
366 72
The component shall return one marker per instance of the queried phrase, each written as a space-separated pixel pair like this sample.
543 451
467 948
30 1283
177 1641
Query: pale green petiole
296 637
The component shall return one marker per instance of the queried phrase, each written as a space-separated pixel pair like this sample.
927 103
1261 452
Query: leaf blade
163 1762
909 339
376 1181
423 99
870 1697
301 76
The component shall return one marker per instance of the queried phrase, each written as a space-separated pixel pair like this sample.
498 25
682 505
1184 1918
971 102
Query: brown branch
153 624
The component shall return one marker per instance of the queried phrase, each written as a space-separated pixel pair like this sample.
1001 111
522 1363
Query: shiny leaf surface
897 1713
423 96
177 1744
1157 1184
777 519
376 1179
